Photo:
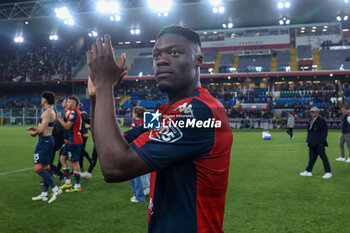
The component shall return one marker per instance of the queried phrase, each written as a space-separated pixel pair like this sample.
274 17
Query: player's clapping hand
103 69
59 115
91 89
31 128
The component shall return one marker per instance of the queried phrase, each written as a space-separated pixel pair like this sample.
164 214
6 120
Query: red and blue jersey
136 123
191 156
74 134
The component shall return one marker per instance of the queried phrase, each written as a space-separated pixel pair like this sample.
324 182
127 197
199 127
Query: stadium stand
335 59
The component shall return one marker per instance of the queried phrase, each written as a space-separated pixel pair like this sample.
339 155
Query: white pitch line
15 171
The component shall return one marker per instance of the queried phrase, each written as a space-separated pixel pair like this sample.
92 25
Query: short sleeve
72 116
134 133
187 138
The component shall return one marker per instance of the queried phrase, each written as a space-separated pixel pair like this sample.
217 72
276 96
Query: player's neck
174 97
46 106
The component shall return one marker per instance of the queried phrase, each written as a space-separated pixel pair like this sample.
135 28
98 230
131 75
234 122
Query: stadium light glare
346 1
221 9
338 18
286 4
138 42
115 18
346 18
53 37
26 22
281 22
108 7
288 21
313 30
137 31
132 31
63 13
152 41
215 10
140 74
18 39
93 34
120 42
280 5
160 6
302 31
313 27
69 21
127 42
215 2
230 25
324 29
224 25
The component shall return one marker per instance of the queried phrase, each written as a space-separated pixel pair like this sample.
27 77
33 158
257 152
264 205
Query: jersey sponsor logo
186 109
151 120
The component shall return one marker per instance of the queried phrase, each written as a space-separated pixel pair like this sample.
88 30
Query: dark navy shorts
72 151
43 150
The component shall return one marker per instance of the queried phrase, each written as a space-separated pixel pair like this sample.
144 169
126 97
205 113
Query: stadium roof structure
196 14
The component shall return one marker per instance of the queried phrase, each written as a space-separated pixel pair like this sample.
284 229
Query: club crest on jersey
151 120
166 134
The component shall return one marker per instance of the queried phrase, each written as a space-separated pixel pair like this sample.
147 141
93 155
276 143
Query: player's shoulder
204 98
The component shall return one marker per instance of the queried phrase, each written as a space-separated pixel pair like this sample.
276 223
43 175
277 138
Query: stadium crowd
41 63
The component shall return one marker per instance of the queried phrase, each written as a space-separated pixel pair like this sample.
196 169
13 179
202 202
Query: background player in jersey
191 163
136 183
72 148
44 147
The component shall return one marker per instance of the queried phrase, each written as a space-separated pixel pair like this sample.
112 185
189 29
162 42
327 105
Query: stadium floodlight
160 6
69 21
224 25
93 34
346 18
132 31
63 13
281 22
288 21
346 1
215 2
137 31
152 41
53 37
280 5
286 4
140 74
215 10
338 18
18 39
221 9
26 22
230 25
108 7
115 18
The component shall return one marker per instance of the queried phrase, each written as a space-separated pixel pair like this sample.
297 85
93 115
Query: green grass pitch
265 192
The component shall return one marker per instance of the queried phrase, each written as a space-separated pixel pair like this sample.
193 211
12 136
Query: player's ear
199 60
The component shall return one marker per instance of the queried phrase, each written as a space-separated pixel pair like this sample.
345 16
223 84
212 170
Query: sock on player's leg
77 179
47 177
67 175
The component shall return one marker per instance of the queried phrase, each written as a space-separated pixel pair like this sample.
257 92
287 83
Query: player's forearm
110 143
64 124
92 116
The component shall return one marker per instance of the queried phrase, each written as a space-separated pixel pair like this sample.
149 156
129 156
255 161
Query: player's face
71 104
64 103
175 63
43 101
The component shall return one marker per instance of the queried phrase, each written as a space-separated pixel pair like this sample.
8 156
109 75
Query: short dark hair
49 96
190 34
75 98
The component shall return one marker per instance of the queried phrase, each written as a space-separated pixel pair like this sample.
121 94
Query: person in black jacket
316 140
